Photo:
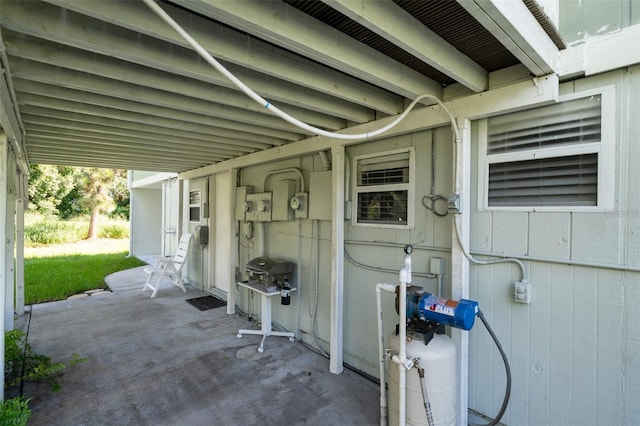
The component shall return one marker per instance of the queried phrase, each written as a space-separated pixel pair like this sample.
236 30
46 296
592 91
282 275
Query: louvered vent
382 189
560 180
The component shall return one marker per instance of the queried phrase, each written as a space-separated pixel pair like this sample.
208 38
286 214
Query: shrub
42 230
51 231
114 230
22 364
14 412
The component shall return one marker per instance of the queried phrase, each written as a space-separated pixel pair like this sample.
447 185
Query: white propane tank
438 359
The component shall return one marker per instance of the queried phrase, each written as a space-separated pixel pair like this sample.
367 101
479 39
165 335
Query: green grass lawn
58 277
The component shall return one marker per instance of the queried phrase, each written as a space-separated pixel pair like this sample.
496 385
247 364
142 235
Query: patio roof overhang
98 83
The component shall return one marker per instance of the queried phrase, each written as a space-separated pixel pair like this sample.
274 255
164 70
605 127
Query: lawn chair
168 267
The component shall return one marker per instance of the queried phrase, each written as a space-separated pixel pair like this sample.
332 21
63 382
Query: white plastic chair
168 267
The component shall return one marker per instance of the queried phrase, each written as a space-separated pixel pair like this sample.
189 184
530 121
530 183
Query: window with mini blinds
383 184
556 157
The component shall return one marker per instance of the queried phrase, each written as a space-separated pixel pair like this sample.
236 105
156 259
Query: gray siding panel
574 350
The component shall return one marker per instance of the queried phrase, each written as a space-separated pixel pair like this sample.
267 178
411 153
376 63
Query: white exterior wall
196 269
146 222
575 350
296 241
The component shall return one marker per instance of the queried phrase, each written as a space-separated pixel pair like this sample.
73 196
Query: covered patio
161 361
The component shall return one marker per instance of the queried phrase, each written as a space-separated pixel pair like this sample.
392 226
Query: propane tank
438 359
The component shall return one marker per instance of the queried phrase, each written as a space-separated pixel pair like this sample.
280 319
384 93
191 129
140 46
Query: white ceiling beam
37 88
232 46
9 115
146 121
123 148
156 100
137 116
80 81
403 30
38 50
42 123
517 29
213 147
78 121
79 158
285 26
81 32
97 138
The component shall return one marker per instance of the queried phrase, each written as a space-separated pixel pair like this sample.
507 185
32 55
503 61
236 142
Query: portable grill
268 274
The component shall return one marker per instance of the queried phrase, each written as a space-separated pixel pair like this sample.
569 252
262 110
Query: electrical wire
520 263
507 392
269 106
391 271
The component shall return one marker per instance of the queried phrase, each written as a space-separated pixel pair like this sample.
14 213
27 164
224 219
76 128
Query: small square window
383 184
194 206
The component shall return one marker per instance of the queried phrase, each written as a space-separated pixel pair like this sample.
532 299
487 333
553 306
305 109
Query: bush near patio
42 230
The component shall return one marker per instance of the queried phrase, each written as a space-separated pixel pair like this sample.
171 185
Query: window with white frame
383 189
194 206
557 157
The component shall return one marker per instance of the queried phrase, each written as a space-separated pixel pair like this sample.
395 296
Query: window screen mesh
382 207
560 181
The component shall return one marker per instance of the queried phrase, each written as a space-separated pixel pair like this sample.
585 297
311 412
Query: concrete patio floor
163 362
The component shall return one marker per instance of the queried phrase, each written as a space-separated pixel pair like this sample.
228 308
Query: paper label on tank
441 305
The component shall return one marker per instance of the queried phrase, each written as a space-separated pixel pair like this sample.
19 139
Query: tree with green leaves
48 186
71 191
97 185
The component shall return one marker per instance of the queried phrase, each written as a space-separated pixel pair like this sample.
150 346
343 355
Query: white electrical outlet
522 292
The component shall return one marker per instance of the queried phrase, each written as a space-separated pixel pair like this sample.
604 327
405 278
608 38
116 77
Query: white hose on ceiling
315 130
275 110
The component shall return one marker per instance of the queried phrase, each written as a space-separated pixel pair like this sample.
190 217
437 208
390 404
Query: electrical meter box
320 195
241 202
259 207
283 191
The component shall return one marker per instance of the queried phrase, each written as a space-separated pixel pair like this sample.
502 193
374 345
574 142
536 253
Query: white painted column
460 265
3 272
20 202
337 261
234 241
9 224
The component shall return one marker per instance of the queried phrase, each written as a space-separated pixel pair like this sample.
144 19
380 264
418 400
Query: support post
234 242
9 239
3 249
20 254
337 261
460 265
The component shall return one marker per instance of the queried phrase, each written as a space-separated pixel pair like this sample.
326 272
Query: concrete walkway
163 362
